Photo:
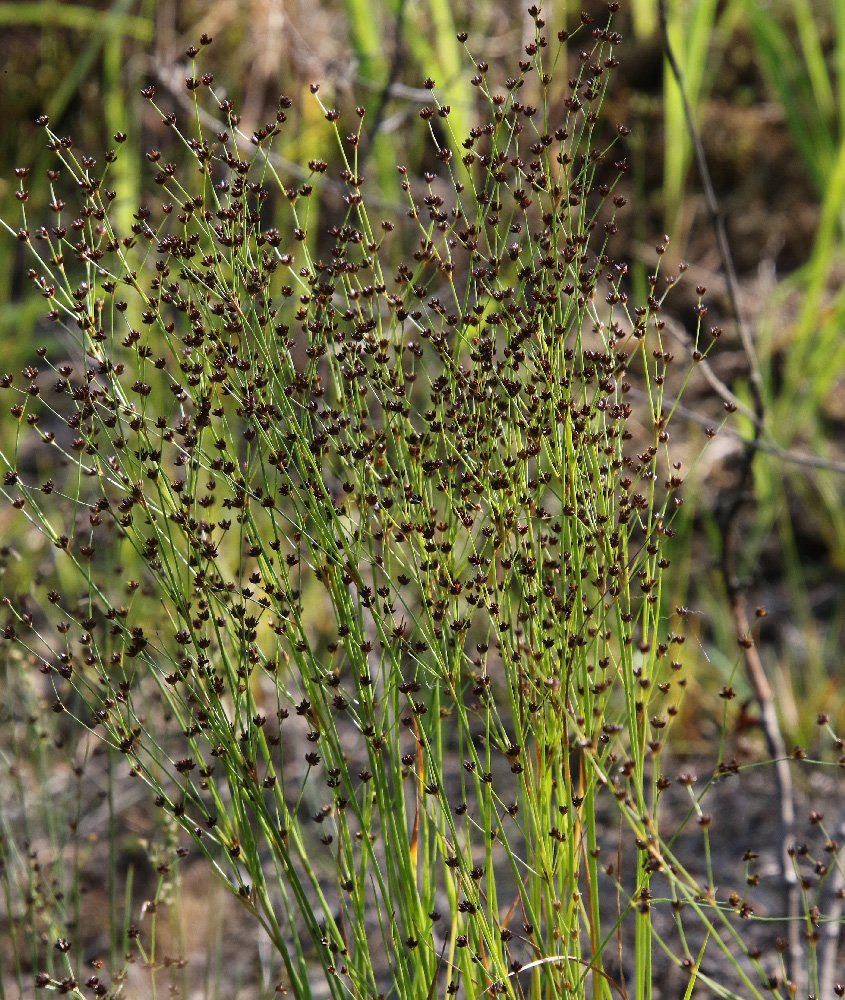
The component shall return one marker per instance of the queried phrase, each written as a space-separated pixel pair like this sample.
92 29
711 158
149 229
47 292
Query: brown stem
727 522
832 928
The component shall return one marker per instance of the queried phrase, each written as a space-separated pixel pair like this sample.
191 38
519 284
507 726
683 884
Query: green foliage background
767 85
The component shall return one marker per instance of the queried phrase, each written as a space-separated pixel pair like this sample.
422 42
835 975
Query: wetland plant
348 532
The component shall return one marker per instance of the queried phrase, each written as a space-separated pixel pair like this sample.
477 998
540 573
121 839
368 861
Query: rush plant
351 534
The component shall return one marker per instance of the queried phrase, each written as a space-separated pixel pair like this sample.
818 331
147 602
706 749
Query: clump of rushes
381 532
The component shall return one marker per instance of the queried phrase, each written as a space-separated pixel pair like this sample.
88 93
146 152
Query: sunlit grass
393 701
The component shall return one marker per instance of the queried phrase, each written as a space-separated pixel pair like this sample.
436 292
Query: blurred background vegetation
766 79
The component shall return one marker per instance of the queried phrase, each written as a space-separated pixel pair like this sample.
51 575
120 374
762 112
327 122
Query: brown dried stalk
727 527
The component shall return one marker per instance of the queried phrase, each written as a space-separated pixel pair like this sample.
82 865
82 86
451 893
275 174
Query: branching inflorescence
371 516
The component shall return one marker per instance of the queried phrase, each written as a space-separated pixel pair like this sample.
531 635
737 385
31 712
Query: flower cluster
354 505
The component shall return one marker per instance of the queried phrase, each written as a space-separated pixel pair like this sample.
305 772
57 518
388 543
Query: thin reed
349 544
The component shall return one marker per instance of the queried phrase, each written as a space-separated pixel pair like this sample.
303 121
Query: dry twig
727 526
